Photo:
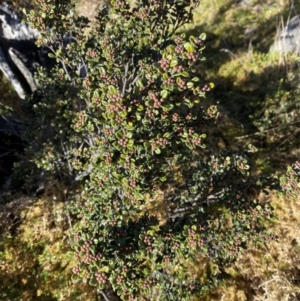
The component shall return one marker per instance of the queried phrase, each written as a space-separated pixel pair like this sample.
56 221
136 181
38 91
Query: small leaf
139 83
122 114
192 39
203 36
189 145
146 272
164 94
157 150
119 134
165 108
147 145
96 94
184 74
130 143
102 70
187 101
111 115
171 48
129 135
138 116
104 269
150 232
165 76
189 47
190 85
163 179
173 63
93 282
112 89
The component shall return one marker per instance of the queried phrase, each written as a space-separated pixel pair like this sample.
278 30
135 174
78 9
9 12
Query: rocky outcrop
19 58
19 55
288 39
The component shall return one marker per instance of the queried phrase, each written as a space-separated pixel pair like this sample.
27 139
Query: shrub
290 182
122 113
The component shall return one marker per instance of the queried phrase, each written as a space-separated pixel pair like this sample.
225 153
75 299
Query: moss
35 263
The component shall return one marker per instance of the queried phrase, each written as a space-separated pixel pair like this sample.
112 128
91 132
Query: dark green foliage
122 114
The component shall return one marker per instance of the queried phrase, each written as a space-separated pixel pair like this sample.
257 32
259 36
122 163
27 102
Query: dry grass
270 272
35 263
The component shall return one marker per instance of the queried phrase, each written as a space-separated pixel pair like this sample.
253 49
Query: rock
288 39
90 8
244 3
18 52
19 55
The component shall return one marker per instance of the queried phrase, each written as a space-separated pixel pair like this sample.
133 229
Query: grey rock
244 3
18 51
19 55
288 39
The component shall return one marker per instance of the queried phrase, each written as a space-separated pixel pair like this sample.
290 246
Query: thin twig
3 155
104 295
125 78
66 153
268 130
